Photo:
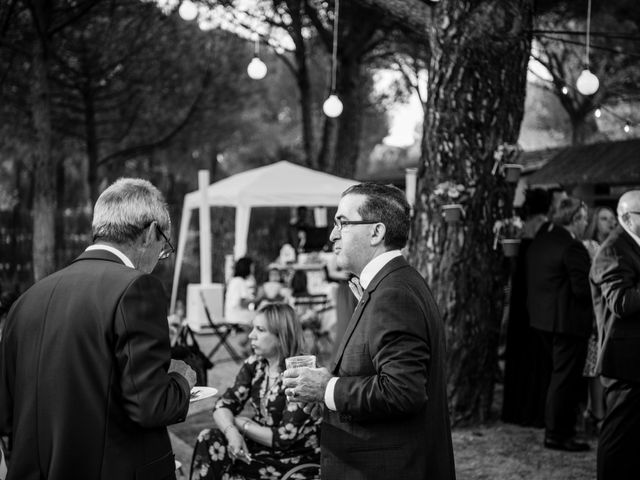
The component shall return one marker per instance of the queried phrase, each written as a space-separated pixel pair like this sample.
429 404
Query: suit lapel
351 326
394 264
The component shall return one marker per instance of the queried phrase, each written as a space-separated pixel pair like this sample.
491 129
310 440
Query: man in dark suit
87 385
615 279
559 305
385 412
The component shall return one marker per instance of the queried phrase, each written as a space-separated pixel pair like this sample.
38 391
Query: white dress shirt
113 250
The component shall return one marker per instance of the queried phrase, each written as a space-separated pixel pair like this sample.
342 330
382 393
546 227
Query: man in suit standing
559 305
87 385
386 413
615 279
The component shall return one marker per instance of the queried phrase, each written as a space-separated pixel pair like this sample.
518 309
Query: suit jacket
84 388
615 279
559 295
392 419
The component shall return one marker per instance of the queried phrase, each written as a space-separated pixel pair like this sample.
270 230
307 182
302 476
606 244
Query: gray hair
126 208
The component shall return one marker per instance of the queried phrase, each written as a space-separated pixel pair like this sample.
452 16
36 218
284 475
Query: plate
200 393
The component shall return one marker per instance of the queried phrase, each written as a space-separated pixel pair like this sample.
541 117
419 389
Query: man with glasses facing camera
87 385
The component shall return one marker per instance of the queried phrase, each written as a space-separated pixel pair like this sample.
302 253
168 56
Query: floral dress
295 433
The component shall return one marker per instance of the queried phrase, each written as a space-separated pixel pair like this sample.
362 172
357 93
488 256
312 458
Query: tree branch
137 150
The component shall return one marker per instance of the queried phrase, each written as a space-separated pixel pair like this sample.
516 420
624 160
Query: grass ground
495 451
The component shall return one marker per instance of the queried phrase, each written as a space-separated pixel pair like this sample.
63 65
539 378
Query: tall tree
478 54
560 47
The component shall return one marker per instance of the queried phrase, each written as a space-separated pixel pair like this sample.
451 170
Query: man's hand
183 369
306 385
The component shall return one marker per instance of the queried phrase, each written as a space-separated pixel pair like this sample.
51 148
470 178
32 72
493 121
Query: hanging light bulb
598 113
256 68
587 83
627 128
188 10
565 90
332 106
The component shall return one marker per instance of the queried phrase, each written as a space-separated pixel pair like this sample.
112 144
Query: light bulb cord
334 53
256 48
586 58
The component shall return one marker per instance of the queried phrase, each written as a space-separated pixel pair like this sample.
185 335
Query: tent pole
205 229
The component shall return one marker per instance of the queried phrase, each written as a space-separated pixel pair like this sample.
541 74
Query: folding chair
310 309
222 331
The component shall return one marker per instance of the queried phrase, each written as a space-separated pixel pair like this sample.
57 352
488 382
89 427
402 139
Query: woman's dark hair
537 202
299 283
243 267
282 322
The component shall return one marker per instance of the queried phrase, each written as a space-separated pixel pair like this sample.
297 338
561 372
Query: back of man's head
386 204
567 210
126 208
629 202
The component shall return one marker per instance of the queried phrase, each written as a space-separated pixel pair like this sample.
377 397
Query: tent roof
609 162
277 185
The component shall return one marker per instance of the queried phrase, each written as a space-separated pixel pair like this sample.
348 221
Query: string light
256 69
565 90
587 83
188 10
332 106
627 128
598 112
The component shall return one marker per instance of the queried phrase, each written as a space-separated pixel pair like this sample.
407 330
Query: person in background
87 384
271 291
559 306
527 368
279 435
603 222
241 294
615 280
386 413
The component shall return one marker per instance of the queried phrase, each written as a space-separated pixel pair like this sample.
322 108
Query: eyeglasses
168 249
338 223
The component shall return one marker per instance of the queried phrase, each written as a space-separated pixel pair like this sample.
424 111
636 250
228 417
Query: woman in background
279 435
240 294
603 222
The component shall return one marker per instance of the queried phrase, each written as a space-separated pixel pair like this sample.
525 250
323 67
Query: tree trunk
350 90
583 128
91 142
44 201
476 90
304 83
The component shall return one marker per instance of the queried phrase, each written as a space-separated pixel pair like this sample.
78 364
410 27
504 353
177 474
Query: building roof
607 162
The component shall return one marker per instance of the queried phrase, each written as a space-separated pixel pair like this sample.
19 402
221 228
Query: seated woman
279 435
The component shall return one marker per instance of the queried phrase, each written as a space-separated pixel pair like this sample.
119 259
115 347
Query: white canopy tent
281 184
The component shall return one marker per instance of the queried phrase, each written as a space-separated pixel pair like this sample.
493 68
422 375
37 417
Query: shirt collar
113 250
372 268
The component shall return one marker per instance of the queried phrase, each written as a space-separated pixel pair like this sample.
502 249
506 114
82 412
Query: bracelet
231 425
245 427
